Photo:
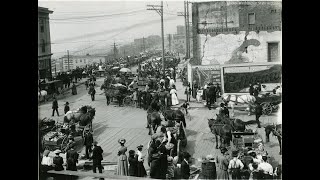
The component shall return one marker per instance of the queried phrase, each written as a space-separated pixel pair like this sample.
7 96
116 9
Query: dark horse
174 115
236 124
276 131
154 121
221 130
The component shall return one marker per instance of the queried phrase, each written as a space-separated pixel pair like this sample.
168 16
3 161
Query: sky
81 26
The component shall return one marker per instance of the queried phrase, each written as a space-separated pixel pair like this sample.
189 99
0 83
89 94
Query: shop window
251 18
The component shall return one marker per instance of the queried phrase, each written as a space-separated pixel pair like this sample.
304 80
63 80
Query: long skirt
122 169
222 174
174 99
141 170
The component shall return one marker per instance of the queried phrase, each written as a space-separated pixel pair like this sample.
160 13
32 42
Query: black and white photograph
147 89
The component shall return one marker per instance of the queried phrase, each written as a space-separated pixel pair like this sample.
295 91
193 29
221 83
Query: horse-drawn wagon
269 103
75 123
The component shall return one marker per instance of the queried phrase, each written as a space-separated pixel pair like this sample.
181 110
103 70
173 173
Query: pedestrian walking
185 168
86 83
87 142
133 163
188 92
174 97
235 165
55 106
96 157
92 92
74 89
66 107
141 170
258 112
256 92
222 163
122 169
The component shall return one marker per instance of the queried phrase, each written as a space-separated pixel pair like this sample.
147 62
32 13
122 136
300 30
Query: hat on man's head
67 103
95 143
140 146
122 141
234 153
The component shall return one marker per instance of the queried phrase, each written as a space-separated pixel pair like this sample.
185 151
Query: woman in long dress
141 170
174 98
122 160
222 163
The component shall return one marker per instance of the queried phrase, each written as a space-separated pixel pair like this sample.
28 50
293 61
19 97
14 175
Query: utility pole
114 50
169 39
184 14
68 61
188 30
159 10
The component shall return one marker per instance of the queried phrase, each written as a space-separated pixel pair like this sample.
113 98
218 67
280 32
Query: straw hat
57 151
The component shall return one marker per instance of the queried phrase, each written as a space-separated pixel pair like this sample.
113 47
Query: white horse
42 93
233 99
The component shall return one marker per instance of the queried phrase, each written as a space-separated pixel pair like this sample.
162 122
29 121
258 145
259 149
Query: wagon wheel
266 108
64 143
128 101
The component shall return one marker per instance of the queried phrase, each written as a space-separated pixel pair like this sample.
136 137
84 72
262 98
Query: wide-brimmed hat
57 151
67 103
122 141
140 146
234 153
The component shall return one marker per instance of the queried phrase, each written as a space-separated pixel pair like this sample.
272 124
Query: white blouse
47 161
140 156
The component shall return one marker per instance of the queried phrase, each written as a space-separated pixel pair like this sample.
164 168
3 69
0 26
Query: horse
276 131
175 115
42 93
221 130
154 121
83 116
236 124
242 99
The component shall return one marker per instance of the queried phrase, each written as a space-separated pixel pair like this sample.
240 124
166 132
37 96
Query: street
113 122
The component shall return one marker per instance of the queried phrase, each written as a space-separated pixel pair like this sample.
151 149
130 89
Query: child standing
135 97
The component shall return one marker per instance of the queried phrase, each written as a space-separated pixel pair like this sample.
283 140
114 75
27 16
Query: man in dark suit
72 158
258 113
185 168
88 140
97 157
55 106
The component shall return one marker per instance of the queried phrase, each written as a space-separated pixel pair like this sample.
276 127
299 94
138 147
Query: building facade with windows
80 61
44 44
231 32
179 40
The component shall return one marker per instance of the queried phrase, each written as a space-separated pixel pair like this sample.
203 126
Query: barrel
208 170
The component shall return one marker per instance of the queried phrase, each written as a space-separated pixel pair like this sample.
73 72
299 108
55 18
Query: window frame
254 15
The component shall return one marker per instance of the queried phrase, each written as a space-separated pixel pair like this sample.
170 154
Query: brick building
230 32
44 44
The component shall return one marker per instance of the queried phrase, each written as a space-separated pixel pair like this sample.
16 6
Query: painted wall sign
206 74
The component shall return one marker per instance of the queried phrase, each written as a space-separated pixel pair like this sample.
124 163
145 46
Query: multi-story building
228 32
80 61
44 44
179 40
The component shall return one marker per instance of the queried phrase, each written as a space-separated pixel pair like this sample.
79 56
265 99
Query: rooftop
44 10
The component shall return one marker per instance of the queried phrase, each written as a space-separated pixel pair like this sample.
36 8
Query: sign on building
206 74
